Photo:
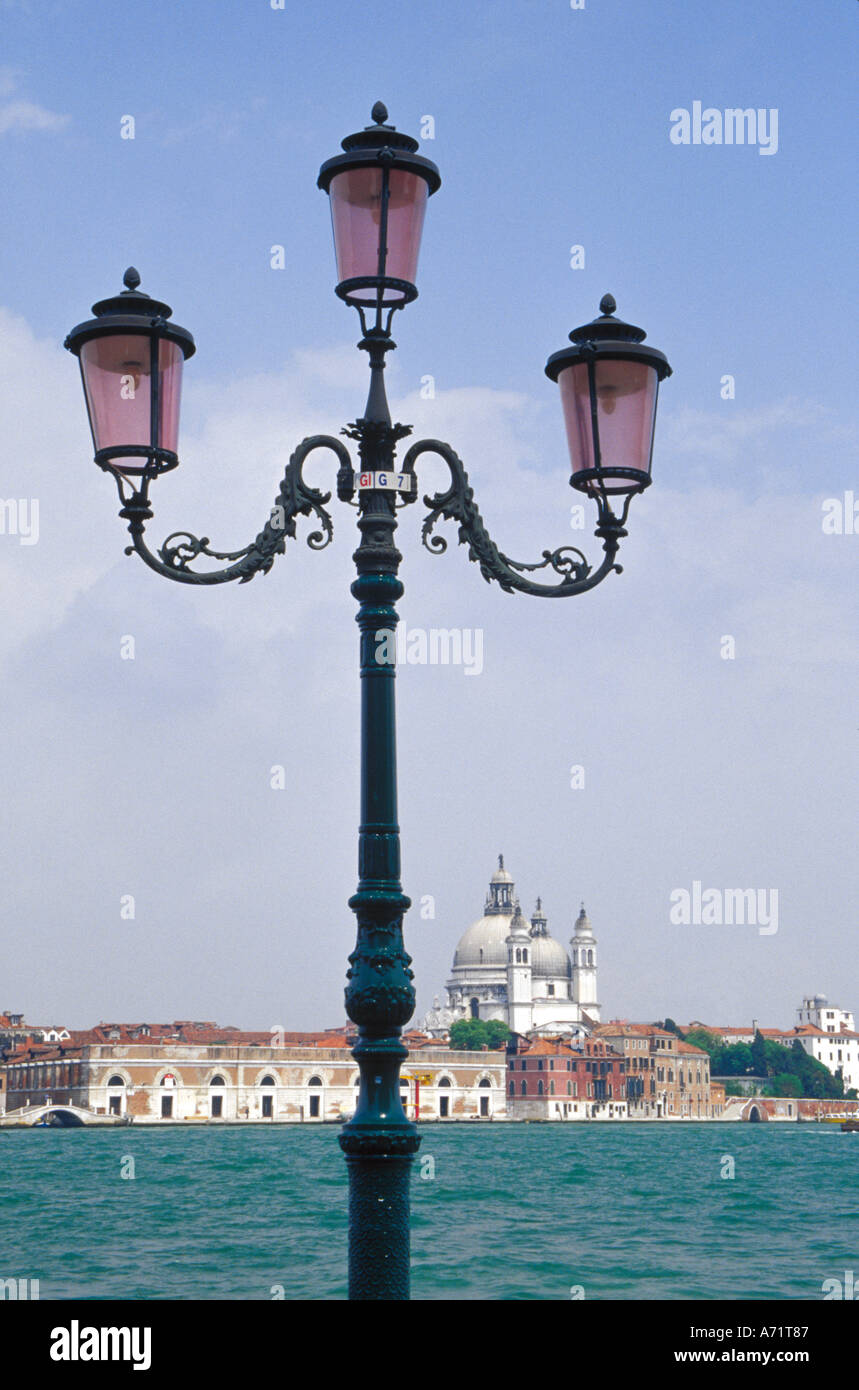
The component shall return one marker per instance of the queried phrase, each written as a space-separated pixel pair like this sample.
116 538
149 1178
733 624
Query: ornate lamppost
131 357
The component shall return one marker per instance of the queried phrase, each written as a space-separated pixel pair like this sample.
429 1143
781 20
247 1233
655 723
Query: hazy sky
151 777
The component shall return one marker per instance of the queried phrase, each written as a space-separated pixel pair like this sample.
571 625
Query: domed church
508 968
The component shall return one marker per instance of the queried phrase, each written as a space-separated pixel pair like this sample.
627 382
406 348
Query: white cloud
27 115
22 114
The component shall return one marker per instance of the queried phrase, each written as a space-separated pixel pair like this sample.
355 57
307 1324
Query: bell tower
519 965
584 953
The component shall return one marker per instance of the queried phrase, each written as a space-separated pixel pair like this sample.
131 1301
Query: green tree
703 1038
467 1035
671 1027
759 1055
471 1034
497 1033
735 1060
786 1084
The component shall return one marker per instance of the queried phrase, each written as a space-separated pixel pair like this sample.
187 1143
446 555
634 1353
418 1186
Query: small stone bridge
58 1116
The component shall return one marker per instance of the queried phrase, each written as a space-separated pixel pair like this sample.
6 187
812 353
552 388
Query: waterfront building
511 968
14 1029
666 1078
829 1035
564 1079
838 1051
198 1072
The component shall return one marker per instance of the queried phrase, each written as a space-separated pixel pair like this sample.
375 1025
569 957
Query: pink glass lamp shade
609 384
131 362
378 192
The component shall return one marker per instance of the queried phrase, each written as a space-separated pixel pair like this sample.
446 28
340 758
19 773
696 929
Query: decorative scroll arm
295 498
458 504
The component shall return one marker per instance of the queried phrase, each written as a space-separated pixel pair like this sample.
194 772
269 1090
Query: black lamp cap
379 144
609 337
608 328
379 135
132 300
130 311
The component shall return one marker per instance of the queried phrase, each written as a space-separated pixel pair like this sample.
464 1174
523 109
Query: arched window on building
216 1099
539 1088
444 1101
116 1095
524 1088
315 1100
525 957
267 1106
484 1085
512 1088
168 1079
475 1008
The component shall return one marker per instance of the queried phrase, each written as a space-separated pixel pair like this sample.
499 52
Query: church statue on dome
506 967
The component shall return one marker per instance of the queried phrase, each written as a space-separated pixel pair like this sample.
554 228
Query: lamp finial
608 304
131 278
379 113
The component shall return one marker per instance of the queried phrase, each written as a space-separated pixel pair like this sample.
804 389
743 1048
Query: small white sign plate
393 482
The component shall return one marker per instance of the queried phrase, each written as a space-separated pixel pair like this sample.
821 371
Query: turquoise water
513 1212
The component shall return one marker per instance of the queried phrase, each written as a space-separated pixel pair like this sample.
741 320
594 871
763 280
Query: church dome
484 943
549 959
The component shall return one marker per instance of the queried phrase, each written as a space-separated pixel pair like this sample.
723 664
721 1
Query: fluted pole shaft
379 1141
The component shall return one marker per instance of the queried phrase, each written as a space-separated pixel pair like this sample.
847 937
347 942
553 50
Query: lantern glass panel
117 380
356 215
626 412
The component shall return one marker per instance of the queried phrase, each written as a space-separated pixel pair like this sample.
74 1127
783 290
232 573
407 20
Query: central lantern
378 191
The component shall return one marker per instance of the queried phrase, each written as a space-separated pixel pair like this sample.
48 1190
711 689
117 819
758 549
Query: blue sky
552 130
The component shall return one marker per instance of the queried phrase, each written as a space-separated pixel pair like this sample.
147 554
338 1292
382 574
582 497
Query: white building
506 967
816 1010
828 1034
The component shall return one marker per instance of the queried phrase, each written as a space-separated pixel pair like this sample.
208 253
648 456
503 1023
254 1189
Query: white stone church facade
509 968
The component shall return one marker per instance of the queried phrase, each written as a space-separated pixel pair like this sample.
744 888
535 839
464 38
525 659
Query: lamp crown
379 135
132 300
607 327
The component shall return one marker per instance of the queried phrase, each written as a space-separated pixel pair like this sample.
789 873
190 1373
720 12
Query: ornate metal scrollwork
295 498
457 504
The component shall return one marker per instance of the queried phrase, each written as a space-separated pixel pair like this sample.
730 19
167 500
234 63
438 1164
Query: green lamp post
131 357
